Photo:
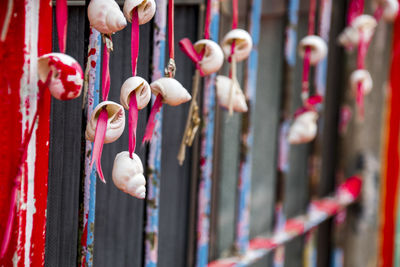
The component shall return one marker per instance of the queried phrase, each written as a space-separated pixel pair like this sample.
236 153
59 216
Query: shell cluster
318 47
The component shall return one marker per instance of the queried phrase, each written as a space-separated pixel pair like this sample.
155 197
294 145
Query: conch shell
128 175
390 9
66 78
146 10
223 86
172 91
364 77
213 57
106 16
115 122
142 92
304 128
318 47
243 44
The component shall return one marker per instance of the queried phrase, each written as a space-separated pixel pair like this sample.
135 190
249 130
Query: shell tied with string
106 16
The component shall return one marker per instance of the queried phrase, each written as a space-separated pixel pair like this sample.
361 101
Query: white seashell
223 86
106 16
349 37
319 49
390 10
304 128
142 92
243 44
172 91
146 10
115 123
365 24
213 57
364 77
67 76
128 175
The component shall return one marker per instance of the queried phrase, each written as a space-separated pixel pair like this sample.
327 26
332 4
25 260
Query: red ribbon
187 47
133 118
171 37
207 21
362 51
360 100
152 122
134 40
62 21
23 151
101 128
356 8
105 77
235 14
306 71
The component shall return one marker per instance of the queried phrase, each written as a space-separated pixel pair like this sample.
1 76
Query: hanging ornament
67 77
312 49
361 84
363 25
145 9
386 9
167 89
106 16
237 45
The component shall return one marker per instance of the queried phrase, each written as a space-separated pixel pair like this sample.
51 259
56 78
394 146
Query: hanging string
307 55
23 153
133 107
235 14
62 21
105 73
170 71
207 21
356 8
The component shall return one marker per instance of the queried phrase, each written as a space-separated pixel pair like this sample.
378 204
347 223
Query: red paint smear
391 161
42 145
262 243
11 51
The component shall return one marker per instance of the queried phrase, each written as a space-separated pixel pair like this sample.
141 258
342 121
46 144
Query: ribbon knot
187 47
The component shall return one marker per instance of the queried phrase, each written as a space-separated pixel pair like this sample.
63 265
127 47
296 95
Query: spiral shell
172 91
319 49
213 57
106 16
142 91
146 10
66 78
364 77
243 44
115 122
349 37
304 128
223 86
127 175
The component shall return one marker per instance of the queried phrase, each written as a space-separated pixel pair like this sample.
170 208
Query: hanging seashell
142 91
363 77
365 24
223 86
243 44
66 78
304 127
390 10
319 49
172 91
349 37
213 57
106 16
115 122
146 10
128 175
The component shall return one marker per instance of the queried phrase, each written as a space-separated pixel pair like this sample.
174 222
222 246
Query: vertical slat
92 84
154 159
206 158
244 183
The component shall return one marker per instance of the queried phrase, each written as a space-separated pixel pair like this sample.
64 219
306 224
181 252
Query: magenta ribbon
152 122
101 128
62 21
105 73
187 47
134 40
23 151
133 118
356 8
314 100
306 71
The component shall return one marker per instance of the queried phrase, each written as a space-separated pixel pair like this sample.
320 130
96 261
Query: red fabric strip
151 123
235 14
311 17
207 21
133 118
356 8
306 71
62 21
362 51
101 128
187 47
360 100
389 193
378 13
105 75
171 40
134 41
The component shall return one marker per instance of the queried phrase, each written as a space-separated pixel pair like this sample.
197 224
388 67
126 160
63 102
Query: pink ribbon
356 8
133 118
101 128
306 71
360 100
134 40
152 122
105 76
187 47
62 21
23 151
